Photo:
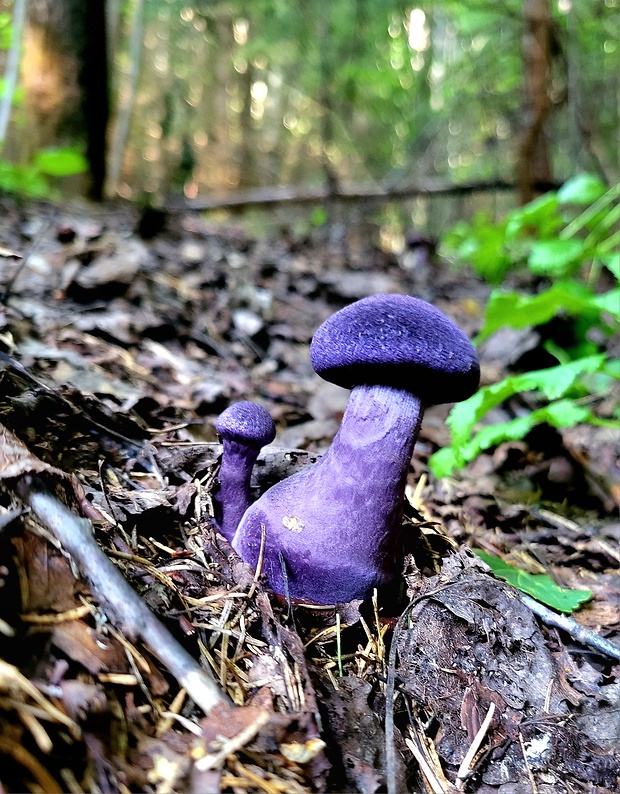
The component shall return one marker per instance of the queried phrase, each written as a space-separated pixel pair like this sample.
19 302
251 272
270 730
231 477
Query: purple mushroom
336 527
244 428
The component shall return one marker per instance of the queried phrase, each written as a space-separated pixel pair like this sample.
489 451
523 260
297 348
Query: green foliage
539 586
26 180
33 179
65 161
6 30
390 91
545 235
521 311
561 385
552 241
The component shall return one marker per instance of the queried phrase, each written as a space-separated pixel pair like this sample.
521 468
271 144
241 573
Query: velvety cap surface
246 422
399 341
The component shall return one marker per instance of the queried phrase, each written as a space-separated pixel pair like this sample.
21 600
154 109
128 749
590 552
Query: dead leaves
156 339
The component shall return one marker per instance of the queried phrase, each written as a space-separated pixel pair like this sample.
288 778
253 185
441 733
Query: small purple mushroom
244 428
337 525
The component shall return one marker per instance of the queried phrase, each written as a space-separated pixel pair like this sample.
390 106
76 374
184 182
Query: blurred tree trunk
49 79
89 34
65 80
128 97
534 164
220 116
247 169
12 67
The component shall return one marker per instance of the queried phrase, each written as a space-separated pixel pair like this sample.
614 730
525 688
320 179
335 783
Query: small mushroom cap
398 341
247 423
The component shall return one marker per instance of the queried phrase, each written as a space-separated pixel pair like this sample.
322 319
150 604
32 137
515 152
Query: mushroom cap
398 341
247 423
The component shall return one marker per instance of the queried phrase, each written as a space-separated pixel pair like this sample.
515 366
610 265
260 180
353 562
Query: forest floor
118 353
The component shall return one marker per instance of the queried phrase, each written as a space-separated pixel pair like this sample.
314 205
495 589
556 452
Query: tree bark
65 82
247 168
534 164
121 129
89 30
12 67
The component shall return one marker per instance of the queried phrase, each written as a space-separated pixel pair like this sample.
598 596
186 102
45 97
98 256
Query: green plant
553 240
538 585
34 179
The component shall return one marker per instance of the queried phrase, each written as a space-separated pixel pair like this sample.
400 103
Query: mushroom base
333 532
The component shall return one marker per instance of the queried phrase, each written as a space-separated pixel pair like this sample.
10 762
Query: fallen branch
121 604
570 626
315 194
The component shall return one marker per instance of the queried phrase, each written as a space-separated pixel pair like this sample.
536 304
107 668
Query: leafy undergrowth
568 241
119 354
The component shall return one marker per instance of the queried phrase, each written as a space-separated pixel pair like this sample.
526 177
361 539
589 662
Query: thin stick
259 564
465 767
570 626
122 605
426 769
528 768
339 645
231 746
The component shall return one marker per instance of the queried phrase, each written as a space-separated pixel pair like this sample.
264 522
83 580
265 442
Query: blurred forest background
150 99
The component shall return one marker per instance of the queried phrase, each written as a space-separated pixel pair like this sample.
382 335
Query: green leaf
481 244
553 382
555 257
540 215
514 310
581 189
23 179
539 586
609 302
443 462
612 263
61 162
563 413
318 216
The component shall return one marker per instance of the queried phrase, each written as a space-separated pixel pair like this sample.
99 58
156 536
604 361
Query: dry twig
121 604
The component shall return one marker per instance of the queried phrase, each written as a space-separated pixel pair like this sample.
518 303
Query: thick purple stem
338 524
233 497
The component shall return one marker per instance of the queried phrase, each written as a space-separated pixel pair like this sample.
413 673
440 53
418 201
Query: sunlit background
209 97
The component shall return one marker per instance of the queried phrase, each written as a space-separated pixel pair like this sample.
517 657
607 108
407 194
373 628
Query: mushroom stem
234 497
245 428
341 519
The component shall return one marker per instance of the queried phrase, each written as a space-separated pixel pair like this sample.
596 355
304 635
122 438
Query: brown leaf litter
155 338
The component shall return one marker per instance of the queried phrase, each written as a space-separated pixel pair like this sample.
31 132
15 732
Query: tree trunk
534 163
247 168
65 81
49 79
89 28
121 128
12 67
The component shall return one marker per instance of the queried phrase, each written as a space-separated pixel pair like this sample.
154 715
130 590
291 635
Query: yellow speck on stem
293 523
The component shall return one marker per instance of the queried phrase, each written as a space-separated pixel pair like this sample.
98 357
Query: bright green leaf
553 382
582 189
555 257
540 215
539 586
514 310
61 162
612 263
443 462
560 413
609 302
